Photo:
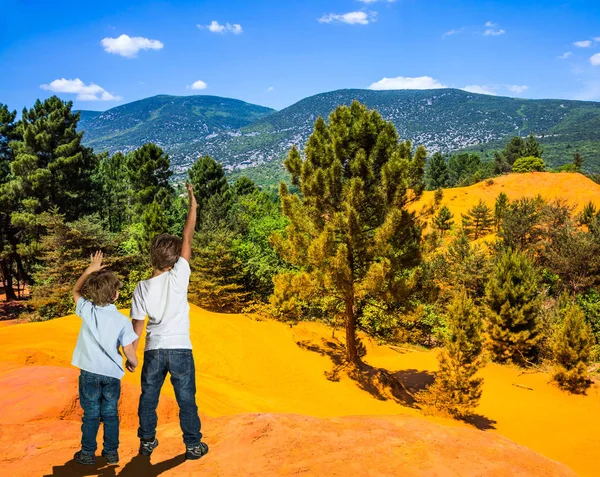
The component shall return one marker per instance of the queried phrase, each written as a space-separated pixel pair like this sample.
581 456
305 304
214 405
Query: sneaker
84 458
111 457
147 446
195 452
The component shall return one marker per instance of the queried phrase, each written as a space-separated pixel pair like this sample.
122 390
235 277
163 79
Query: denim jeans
179 363
99 399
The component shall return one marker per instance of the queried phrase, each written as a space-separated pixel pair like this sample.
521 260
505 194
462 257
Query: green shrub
529 164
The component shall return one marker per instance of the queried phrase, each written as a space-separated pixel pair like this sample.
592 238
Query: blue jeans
179 363
99 399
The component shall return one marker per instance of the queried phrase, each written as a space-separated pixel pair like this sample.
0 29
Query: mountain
241 135
179 124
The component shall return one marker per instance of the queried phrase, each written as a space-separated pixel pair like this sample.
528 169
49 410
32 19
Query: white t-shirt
164 300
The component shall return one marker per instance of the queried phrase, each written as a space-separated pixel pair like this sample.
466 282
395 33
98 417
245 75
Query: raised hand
191 196
96 262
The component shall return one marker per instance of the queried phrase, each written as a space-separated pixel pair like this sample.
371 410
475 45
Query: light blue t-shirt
103 330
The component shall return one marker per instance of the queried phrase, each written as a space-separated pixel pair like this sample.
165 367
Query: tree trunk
7 281
351 350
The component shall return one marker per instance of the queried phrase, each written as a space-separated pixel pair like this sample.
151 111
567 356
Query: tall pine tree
512 300
572 349
500 209
443 220
456 389
9 258
114 181
350 232
212 191
51 167
148 171
436 173
477 222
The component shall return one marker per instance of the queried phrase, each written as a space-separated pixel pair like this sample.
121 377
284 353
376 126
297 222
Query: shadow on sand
138 466
401 386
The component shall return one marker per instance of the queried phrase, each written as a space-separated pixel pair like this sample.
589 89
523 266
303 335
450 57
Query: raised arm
94 266
190 224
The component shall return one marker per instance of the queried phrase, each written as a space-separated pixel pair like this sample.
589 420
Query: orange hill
576 189
247 366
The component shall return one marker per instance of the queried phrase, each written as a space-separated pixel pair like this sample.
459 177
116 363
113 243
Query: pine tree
477 222
244 186
578 160
501 165
531 147
217 281
456 389
51 167
212 191
9 258
500 209
463 169
521 225
443 219
114 181
513 150
572 347
512 300
154 220
464 265
588 214
437 174
350 232
148 171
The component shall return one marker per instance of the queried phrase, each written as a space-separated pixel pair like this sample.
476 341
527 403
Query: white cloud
566 55
270 88
403 82
583 44
90 92
453 32
479 89
129 46
198 85
351 18
516 88
595 59
216 27
493 30
597 39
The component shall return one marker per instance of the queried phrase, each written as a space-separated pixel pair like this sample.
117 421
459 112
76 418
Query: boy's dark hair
165 250
101 287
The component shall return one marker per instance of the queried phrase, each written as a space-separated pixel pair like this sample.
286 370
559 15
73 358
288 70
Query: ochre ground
269 409
575 188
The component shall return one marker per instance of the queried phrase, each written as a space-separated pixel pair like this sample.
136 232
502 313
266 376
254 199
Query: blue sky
274 53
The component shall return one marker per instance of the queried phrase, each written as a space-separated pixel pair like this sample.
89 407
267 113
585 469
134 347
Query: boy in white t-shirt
163 298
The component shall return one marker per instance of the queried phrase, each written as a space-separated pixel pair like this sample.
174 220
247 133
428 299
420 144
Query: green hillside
178 124
255 139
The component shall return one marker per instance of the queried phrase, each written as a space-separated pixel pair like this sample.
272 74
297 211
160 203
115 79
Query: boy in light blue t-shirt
103 331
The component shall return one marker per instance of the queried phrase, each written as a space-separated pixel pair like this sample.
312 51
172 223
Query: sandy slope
576 189
247 366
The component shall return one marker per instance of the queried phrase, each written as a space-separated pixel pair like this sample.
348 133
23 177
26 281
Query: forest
340 242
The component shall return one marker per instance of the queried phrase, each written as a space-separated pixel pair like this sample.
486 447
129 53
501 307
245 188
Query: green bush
529 164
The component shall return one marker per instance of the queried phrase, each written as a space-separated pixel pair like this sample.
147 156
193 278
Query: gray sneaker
84 458
195 452
147 446
111 457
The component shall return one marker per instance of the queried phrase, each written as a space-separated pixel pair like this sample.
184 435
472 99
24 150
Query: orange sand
576 189
249 366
